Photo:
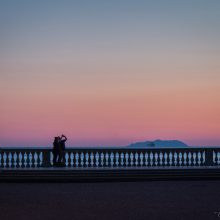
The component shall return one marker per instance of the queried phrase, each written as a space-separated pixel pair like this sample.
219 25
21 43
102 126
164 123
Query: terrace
110 164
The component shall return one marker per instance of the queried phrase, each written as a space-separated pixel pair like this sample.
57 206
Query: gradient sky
109 72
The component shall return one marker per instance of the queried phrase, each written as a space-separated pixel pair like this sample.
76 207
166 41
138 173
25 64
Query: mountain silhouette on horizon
158 143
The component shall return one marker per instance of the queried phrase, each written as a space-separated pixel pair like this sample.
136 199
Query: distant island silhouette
158 143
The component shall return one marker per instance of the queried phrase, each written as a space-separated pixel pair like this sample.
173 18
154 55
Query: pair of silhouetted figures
59 150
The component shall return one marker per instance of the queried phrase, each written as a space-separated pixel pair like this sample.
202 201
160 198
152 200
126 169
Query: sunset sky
109 72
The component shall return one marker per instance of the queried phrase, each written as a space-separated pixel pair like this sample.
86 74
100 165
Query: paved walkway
116 200
108 174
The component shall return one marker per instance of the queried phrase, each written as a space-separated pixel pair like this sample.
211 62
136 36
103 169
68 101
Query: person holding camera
62 142
56 150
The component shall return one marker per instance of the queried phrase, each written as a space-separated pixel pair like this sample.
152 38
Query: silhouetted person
62 142
56 150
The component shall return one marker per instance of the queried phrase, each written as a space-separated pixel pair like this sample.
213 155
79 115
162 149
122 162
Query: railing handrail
123 156
114 148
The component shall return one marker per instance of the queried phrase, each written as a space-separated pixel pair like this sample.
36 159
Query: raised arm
63 136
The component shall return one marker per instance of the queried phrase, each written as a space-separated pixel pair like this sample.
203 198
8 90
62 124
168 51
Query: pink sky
110 115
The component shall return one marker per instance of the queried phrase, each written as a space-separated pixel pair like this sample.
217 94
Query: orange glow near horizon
110 118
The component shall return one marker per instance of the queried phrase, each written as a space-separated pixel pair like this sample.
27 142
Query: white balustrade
25 158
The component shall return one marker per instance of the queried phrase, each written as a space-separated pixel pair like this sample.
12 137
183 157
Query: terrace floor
67 174
111 200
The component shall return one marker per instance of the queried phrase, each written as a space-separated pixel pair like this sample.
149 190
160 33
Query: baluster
9 159
40 158
136 158
190 157
92 159
102 159
25 159
180 158
203 157
77 159
5 159
97 159
87 159
117 158
82 159
165 158
71 159
122 159
161 158
151 158
194 158
199 158
175 158
131 159
112 159
170 158
67 158
20 160
214 157
156 158
35 159
126 159
15 157
146 159
30 159
51 158
141 159
106 159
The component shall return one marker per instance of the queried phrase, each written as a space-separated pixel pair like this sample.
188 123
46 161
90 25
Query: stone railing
112 157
